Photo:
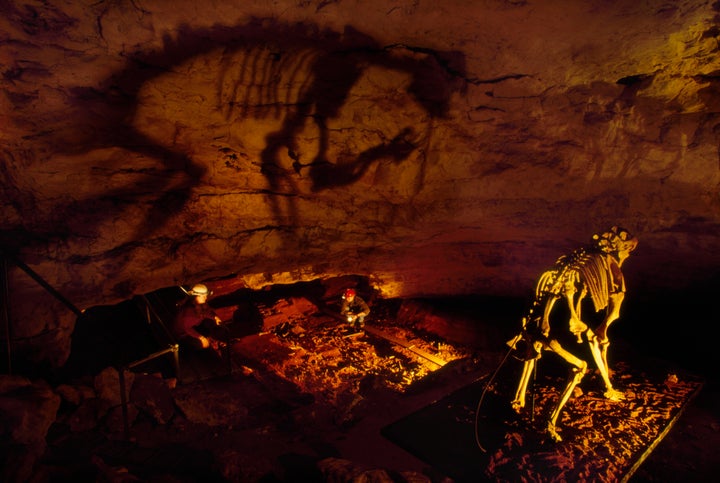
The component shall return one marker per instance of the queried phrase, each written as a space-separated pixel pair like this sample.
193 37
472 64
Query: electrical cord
487 386
482 396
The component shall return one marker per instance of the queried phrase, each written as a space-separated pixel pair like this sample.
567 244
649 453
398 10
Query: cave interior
437 157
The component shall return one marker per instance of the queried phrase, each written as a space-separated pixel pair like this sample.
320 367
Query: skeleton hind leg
519 402
578 370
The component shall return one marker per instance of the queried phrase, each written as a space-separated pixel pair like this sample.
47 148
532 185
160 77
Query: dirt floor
309 400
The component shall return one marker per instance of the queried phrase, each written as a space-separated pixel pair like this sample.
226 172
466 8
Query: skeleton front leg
576 325
599 344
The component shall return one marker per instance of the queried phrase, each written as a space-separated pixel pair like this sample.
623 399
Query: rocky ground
308 400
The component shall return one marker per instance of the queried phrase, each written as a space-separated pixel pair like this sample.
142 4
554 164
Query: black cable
482 397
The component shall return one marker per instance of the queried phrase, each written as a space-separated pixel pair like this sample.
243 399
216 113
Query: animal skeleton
595 271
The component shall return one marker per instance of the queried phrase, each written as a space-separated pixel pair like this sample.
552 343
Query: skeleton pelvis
524 347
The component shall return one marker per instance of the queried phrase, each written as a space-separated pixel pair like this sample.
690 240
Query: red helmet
350 292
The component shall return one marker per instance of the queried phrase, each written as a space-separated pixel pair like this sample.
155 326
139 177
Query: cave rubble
308 398
431 150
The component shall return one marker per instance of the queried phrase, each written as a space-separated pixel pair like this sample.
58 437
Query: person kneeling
196 324
354 309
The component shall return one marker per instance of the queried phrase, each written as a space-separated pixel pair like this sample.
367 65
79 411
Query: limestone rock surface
28 408
437 148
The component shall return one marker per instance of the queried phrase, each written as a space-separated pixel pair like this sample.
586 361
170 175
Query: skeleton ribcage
582 269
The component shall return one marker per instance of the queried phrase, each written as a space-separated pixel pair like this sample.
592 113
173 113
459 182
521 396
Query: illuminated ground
308 401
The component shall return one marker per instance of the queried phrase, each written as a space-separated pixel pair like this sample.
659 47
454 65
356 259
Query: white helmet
199 289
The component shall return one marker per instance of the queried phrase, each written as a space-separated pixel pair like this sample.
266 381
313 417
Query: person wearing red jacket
196 322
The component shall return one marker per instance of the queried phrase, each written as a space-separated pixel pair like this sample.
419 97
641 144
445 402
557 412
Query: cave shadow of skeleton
594 271
331 74
103 114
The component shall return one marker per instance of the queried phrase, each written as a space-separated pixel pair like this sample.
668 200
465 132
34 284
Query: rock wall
438 148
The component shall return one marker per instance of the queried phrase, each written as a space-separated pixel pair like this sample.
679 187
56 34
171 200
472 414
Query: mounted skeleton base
592 271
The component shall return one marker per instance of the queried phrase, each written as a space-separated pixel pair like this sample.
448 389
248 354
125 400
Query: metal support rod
172 348
43 283
176 361
150 310
123 398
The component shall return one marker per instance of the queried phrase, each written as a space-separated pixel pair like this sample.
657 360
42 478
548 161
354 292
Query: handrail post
176 360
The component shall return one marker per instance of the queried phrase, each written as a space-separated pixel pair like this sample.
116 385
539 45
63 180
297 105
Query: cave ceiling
437 148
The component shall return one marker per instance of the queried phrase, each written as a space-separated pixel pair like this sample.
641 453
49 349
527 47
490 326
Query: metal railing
153 317
5 297
155 320
163 335
174 349
151 314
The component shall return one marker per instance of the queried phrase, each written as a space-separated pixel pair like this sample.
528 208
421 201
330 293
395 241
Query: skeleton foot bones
592 272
